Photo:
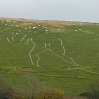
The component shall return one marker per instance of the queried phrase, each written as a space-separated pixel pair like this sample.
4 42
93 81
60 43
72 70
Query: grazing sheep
46 30
39 25
34 27
17 33
17 26
75 30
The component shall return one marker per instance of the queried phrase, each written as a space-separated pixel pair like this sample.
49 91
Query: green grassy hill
64 55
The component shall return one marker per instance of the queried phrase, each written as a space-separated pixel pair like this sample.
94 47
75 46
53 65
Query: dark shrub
50 94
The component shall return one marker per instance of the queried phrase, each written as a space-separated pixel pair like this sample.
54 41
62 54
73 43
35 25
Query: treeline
34 89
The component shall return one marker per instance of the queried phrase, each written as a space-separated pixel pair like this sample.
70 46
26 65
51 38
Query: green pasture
63 56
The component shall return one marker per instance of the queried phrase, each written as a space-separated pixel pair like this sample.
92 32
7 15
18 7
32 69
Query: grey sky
69 10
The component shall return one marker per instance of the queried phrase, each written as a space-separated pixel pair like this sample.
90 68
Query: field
63 55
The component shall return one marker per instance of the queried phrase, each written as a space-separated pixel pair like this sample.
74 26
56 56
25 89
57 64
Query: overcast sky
68 10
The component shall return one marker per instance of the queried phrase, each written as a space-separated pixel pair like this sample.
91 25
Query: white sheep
46 30
75 30
17 33
17 26
39 25
34 27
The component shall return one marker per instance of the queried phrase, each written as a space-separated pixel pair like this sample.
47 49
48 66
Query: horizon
22 19
64 10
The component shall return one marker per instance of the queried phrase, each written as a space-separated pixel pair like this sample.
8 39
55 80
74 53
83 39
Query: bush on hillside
75 97
28 85
17 96
50 94
6 90
95 90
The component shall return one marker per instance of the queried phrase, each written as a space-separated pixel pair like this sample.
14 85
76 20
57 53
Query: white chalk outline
44 50
38 60
49 45
66 55
8 39
73 61
31 51
96 39
51 52
45 44
62 46
23 37
39 57
60 57
12 38
27 40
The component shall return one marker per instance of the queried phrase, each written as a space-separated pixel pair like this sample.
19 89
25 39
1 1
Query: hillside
62 54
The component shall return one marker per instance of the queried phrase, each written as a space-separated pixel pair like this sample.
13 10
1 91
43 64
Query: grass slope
64 55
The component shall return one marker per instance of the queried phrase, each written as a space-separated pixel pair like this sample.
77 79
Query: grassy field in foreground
64 55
